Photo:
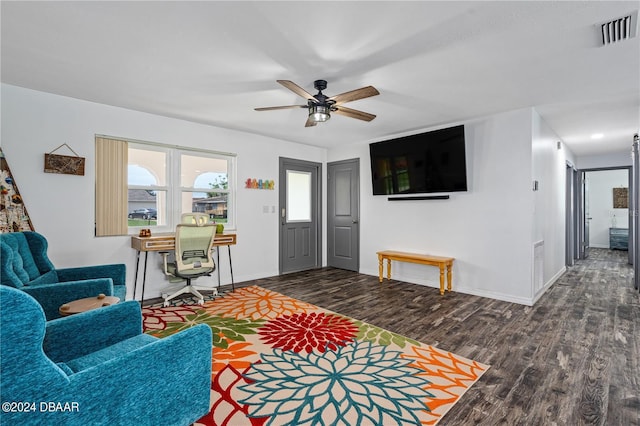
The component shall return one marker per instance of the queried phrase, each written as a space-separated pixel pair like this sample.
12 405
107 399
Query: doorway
572 246
603 213
300 242
343 214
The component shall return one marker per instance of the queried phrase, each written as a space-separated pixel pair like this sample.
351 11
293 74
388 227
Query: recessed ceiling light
597 136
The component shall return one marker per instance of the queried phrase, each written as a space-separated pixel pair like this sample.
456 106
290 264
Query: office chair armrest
77 335
164 255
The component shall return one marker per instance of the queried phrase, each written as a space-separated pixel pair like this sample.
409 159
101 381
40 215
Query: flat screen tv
418 164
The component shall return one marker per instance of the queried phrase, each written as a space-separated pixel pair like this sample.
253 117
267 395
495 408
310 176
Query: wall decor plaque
64 164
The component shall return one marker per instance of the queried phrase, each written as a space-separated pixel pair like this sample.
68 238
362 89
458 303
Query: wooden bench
423 259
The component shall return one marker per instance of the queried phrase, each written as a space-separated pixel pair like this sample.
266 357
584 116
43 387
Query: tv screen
423 163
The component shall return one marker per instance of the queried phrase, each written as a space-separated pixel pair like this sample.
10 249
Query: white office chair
195 218
193 259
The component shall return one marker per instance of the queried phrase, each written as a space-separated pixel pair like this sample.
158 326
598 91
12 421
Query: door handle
355 221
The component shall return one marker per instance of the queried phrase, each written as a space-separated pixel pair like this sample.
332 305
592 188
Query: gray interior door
300 204
584 215
634 211
343 214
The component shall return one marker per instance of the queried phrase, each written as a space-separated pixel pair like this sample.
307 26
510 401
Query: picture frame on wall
620 198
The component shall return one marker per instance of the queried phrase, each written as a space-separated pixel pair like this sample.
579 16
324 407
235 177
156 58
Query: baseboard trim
461 289
548 284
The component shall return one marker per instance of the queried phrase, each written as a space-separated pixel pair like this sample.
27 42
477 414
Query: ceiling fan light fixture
320 107
319 113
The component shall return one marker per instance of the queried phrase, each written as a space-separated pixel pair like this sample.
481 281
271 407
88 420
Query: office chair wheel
166 304
200 301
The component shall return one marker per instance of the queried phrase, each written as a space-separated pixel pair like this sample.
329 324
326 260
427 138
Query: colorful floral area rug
280 361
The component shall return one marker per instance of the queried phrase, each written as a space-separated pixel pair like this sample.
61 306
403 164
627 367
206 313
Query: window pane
147 207
298 196
203 172
146 167
214 204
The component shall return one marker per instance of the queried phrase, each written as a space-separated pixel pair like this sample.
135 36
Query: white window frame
174 186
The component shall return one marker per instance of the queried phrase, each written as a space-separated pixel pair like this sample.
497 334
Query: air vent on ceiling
619 29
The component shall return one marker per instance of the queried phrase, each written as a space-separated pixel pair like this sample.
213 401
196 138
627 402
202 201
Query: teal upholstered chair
98 368
24 265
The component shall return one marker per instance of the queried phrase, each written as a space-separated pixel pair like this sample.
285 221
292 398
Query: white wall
601 211
487 229
617 159
62 206
549 169
490 229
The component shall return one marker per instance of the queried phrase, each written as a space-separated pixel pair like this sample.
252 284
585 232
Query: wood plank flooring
572 359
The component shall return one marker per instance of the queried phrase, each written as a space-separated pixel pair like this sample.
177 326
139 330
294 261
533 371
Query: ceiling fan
321 106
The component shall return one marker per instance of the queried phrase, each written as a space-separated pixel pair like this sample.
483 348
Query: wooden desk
167 242
423 259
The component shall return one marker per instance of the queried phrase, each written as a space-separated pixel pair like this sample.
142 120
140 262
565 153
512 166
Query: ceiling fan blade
297 89
280 107
353 113
354 95
310 122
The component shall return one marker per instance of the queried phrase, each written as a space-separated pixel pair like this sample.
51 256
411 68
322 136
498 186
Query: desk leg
144 276
449 267
441 279
380 267
218 267
233 286
135 278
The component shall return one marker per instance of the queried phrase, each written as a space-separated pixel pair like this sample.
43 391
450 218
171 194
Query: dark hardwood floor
572 359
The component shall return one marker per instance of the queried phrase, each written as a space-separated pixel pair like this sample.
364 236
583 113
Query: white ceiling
434 63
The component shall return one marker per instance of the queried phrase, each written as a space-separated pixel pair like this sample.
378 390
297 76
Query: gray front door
300 206
343 214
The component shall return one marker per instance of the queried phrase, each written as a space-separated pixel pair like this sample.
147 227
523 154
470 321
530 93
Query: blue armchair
24 265
98 368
